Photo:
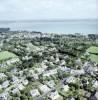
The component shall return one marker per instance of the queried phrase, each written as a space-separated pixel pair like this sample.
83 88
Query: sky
48 9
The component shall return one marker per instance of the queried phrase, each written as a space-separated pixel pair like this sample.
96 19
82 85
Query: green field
94 58
93 49
6 55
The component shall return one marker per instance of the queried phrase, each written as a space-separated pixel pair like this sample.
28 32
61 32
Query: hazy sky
48 9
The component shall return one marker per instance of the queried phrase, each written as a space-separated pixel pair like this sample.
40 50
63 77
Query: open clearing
6 55
93 50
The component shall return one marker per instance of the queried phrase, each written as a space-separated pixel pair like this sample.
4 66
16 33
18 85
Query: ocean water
58 26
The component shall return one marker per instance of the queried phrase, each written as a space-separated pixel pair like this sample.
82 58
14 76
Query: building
65 88
96 41
51 84
34 93
20 87
44 89
15 91
54 95
5 84
3 30
4 96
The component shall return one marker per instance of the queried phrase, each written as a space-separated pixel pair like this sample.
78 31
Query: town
43 66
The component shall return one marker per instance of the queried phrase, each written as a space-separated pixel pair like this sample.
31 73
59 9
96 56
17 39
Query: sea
54 26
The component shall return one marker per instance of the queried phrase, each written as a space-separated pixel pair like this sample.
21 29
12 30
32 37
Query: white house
15 90
65 88
77 72
51 84
64 69
71 79
35 76
5 84
50 72
34 93
12 61
15 79
96 95
62 62
4 96
53 95
20 87
39 70
2 76
25 82
95 83
44 89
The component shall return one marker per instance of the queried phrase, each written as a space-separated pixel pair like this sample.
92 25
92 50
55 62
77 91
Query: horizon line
20 20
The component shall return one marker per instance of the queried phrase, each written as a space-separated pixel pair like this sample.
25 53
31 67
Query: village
41 66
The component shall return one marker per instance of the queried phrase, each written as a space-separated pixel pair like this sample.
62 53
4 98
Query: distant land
46 20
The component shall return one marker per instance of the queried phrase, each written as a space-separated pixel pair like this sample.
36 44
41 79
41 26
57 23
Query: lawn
94 58
93 49
6 55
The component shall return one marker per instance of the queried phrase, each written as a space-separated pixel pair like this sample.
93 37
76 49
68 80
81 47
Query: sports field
93 50
6 55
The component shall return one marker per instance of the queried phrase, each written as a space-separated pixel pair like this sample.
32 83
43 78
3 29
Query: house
44 89
77 72
71 98
40 98
51 84
95 83
34 93
14 70
15 79
68 80
71 79
39 70
53 95
96 41
2 76
88 68
27 58
62 62
12 61
64 69
57 60
4 96
92 98
96 95
5 84
50 72
35 76
20 73
15 91
25 82
65 88
31 72
78 62
43 64
20 87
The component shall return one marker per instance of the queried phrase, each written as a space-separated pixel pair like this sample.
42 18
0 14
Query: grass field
94 58
6 55
93 49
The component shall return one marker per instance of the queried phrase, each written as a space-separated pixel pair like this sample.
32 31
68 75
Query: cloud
47 9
